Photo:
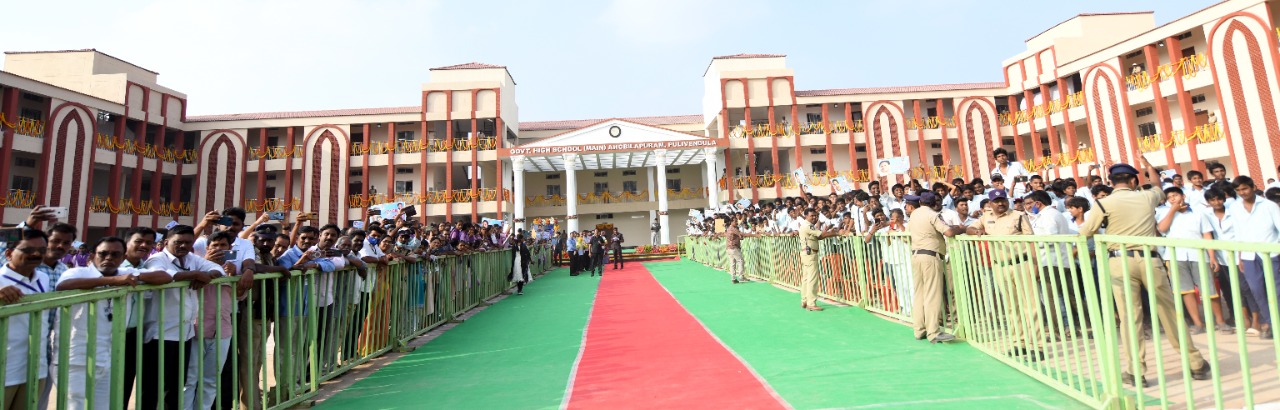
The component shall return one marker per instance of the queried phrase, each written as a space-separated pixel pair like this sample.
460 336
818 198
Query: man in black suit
597 253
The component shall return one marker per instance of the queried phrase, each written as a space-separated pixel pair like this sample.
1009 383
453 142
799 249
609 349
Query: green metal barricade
271 346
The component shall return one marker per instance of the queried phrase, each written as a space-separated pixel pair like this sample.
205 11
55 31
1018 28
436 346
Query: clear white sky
572 60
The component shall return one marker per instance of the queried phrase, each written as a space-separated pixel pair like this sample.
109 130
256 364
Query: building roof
747 55
83 50
469 66
305 114
900 89
576 124
1119 13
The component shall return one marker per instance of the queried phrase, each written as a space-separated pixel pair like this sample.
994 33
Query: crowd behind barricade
1143 203
210 340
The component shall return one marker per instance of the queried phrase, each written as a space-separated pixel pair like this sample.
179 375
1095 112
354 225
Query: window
25 162
1198 98
403 171
630 186
1188 52
673 184
32 97
404 135
604 216
819 166
600 187
602 174
271 177
1184 36
1143 112
32 113
553 190
273 141
357 172
672 170
1007 142
813 118
404 187
1147 129
935 145
817 150
23 183
931 112
355 188
860 149
553 176
630 173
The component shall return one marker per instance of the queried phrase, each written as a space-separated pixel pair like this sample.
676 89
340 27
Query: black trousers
172 372
597 262
131 336
617 258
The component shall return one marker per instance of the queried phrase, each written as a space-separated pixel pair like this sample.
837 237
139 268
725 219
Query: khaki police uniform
928 250
1130 213
808 236
1016 275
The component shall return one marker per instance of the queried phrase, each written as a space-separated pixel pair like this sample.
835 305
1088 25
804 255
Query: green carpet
845 357
516 354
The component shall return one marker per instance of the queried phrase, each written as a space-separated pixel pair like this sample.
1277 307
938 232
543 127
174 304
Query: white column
663 218
713 189
571 195
517 171
653 192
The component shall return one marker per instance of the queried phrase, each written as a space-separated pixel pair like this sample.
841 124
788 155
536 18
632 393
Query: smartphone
230 255
332 252
59 212
373 212
275 216
11 235
224 221
410 211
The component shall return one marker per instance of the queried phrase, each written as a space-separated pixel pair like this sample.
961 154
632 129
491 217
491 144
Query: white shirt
1051 222
1195 197
244 249
794 225
1223 229
1186 225
20 326
361 284
174 328
1262 225
78 347
951 217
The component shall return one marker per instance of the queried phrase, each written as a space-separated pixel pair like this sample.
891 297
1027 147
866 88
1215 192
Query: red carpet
643 350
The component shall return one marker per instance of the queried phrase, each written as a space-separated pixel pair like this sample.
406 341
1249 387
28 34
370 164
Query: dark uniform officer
928 251
1129 211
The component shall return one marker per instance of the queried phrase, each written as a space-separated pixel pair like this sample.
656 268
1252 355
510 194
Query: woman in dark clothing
520 264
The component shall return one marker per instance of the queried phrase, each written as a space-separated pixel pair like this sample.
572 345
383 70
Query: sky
570 59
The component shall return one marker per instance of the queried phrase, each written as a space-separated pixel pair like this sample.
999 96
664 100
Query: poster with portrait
892 166
841 185
802 180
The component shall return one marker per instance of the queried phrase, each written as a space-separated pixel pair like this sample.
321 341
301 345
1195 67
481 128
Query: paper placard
892 166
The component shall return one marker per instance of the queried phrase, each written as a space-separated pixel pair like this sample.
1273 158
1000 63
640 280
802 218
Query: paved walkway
675 333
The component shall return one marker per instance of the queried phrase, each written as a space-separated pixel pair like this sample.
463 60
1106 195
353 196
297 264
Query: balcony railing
430 197
613 197
275 152
19 198
273 205
24 125
125 206
1060 160
545 200
931 123
132 147
787 130
1188 67
1040 111
1204 133
431 145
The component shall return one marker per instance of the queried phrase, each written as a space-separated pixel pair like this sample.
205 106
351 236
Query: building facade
99 135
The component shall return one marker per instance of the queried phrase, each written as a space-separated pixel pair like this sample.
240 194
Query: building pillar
571 194
517 170
663 218
713 194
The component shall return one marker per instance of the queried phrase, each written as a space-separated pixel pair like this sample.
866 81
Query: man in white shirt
1009 170
103 271
1178 220
1194 190
326 258
18 278
180 306
1056 265
1258 221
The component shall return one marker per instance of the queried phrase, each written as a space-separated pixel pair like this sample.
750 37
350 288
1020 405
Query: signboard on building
620 147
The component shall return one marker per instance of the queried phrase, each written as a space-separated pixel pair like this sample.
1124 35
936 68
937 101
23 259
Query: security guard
928 251
1129 211
1015 275
809 236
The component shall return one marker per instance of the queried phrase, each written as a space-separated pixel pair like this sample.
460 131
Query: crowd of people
189 352
1017 202
588 251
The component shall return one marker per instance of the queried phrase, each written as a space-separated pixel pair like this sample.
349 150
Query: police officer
928 251
1129 211
809 236
1015 275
